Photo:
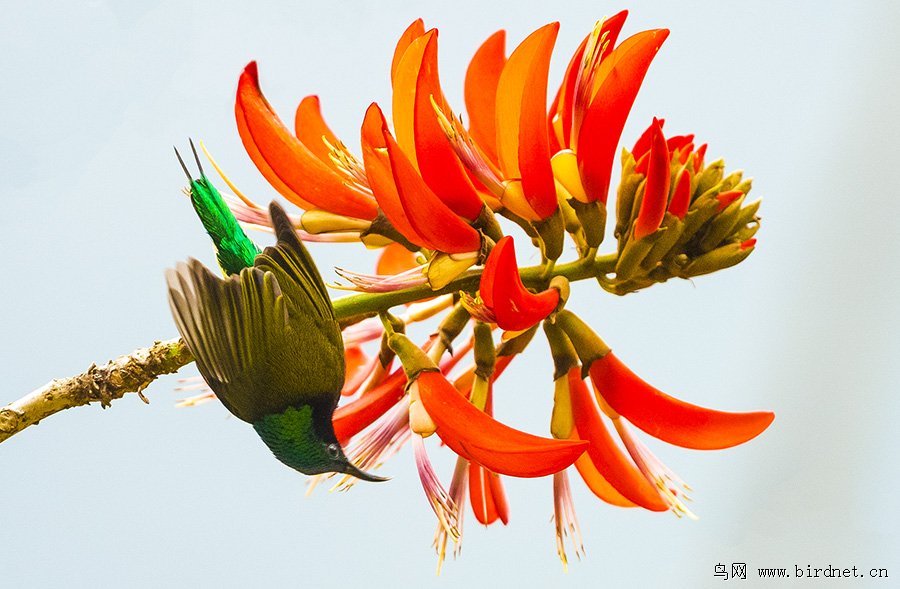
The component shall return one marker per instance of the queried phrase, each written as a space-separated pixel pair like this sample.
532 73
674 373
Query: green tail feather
234 250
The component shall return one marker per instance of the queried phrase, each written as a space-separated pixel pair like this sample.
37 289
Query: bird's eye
333 450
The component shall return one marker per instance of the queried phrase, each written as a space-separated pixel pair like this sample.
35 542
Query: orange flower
473 434
426 188
289 164
503 296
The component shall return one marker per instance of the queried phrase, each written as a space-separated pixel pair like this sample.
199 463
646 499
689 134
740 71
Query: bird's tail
234 250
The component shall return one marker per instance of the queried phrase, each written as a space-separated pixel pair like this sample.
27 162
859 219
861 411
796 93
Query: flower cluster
439 196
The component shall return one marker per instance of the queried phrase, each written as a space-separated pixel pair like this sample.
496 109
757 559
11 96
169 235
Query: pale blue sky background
801 96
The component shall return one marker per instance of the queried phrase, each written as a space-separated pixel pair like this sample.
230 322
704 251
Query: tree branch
126 374
134 372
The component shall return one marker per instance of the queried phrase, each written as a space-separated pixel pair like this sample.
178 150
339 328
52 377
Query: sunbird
265 338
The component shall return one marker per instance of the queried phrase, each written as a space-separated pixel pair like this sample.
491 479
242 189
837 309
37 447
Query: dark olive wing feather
266 339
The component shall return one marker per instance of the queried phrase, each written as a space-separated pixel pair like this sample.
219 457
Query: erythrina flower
622 393
503 296
287 163
677 216
426 187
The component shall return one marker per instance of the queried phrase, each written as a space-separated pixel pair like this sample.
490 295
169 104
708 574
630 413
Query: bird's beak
351 469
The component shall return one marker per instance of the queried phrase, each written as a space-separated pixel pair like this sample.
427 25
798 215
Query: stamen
381 283
249 203
584 84
458 487
565 520
371 450
476 308
348 165
468 151
367 330
671 488
443 505
195 400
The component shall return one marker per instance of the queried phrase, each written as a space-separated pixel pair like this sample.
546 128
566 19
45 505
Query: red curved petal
474 435
381 177
488 498
352 418
438 163
312 130
609 460
611 27
395 259
668 418
480 92
258 159
596 482
295 165
403 97
522 136
415 30
502 291
485 487
681 198
356 371
563 106
430 217
676 142
656 190
642 145
619 79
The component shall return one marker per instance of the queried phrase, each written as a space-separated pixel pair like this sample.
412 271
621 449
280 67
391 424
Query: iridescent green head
307 444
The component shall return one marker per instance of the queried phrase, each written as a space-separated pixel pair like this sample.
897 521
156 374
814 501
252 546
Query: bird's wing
261 339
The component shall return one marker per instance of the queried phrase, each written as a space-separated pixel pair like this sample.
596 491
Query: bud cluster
706 223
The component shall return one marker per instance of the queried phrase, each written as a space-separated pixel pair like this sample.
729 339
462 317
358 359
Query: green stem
353 308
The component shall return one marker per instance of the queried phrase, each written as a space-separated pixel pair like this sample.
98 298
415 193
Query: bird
234 250
265 338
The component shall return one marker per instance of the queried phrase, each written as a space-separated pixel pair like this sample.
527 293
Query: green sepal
721 226
718 259
586 342
484 351
552 232
673 228
592 216
564 355
709 177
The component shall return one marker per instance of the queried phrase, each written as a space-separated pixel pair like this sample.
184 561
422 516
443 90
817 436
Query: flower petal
438 163
381 177
487 495
515 307
596 482
295 166
312 130
609 460
415 30
352 418
618 81
430 217
668 418
403 97
642 145
522 135
480 92
395 259
681 197
486 491
356 369
567 97
474 435
656 190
